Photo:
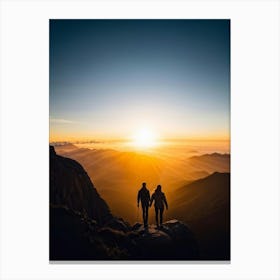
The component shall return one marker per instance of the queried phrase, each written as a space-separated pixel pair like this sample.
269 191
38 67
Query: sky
110 78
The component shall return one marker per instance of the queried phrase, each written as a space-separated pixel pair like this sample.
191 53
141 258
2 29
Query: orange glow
118 168
145 138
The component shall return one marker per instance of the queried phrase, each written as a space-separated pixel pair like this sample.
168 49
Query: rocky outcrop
76 237
70 186
173 241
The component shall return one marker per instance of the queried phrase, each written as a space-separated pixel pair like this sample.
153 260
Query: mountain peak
52 151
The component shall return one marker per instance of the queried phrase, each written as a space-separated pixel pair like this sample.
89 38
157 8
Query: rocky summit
76 237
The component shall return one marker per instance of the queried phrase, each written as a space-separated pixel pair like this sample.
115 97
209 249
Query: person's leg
161 214
156 209
147 214
143 213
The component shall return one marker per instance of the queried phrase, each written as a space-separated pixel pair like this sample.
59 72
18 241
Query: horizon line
114 140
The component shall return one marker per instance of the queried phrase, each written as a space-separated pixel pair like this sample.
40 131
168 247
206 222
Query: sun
145 138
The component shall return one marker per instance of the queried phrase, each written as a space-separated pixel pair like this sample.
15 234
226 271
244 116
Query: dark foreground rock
75 237
172 241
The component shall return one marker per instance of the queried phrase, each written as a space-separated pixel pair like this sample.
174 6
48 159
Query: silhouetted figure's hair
144 197
160 200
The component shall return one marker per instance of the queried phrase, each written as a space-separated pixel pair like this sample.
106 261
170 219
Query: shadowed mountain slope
205 205
70 186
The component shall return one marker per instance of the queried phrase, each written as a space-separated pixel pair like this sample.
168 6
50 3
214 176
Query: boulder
118 224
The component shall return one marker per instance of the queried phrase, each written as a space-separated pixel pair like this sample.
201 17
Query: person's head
144 185
158 189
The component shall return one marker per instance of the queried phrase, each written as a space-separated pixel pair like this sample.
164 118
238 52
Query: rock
136 226
77 237
71 186
112 235
118 224
172 241
72 237
177 230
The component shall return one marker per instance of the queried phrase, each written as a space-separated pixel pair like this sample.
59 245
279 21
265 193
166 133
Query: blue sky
109 78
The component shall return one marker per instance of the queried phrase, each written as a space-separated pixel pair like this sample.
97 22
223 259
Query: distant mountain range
214 162
118 175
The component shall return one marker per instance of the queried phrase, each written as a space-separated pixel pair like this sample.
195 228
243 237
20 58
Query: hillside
205 205
70 186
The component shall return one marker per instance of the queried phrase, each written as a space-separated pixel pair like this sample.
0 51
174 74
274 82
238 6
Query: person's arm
152 200
165 201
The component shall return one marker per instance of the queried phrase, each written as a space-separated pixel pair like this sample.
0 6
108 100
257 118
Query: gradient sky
110 78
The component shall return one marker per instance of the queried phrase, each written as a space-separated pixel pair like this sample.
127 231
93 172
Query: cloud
61 121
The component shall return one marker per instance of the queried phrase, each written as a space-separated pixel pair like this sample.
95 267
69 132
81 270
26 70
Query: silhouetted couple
159 200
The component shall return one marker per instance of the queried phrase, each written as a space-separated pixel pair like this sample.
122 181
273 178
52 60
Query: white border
254 131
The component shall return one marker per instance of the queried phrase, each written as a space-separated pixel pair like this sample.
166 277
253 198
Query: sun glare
145 139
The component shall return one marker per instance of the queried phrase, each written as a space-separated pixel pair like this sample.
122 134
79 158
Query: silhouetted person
160 200
144 197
